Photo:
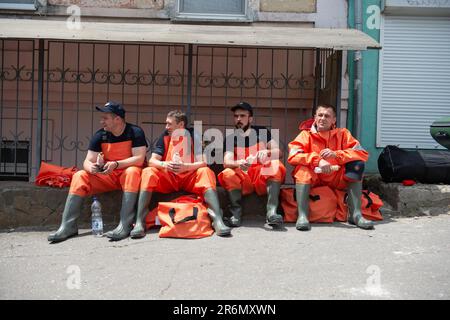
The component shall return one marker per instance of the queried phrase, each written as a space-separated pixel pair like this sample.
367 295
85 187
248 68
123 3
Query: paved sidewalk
405 258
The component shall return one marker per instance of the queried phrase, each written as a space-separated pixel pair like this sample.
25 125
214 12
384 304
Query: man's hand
177 167
109 167
263 156
325 166
244 165
93 168
327 154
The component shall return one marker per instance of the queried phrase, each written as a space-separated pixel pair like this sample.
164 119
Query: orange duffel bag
184 217
370 205
322 205
54 176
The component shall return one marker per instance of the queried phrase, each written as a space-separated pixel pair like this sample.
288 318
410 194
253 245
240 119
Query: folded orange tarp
54 176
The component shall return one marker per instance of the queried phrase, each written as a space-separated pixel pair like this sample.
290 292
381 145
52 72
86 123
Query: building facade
406 85
51 83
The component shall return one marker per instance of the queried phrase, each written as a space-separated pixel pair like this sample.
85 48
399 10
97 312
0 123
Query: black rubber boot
273 193
302 196
127 215
69 226
235 208
354 206
139 228
215 212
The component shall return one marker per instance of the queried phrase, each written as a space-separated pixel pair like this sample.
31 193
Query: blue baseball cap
113 107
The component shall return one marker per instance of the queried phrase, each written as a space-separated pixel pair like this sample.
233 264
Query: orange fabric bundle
54 176
328 206
370 205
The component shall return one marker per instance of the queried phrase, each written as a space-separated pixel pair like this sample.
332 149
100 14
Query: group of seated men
116 160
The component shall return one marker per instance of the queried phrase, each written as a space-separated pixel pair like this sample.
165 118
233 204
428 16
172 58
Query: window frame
14 5
244 17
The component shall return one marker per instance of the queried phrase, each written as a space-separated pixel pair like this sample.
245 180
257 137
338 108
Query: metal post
318 71
40 112
338 87
189 81
358 74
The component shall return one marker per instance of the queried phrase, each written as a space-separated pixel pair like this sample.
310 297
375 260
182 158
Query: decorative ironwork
254 81
284 82
16 74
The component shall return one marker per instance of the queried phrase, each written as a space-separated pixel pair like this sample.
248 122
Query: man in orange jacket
124 147
337 155
177 163
251 164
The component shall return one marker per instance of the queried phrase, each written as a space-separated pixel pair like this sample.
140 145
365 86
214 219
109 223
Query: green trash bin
440 131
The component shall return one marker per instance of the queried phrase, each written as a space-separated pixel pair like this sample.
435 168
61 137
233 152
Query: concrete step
409 201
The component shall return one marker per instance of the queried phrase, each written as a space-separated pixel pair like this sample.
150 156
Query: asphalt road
405 258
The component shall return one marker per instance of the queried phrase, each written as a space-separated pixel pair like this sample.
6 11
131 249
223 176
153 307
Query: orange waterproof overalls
304 154
255 179
128 179
163 181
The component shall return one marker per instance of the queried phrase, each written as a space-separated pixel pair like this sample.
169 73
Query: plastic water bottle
333 168
97 221
176 158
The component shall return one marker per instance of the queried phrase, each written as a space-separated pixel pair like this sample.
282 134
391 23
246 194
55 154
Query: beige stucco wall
303 6
129 4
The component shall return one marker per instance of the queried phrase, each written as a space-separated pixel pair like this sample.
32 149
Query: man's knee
229 179
80 183
304 175
354 170
207 177
134 172
205 171
149 178
132 180
276 171
228 173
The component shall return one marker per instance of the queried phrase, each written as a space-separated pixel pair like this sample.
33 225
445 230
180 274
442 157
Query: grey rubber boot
354 206
69 226
235 207
139 228
273 193
127 215
215 212
302 196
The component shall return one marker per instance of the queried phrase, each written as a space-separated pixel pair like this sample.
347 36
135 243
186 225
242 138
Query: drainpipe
357 58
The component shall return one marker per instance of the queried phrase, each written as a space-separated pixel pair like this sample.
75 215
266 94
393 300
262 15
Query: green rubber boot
69 226
354 206
127 214
273 193
302 196
215 212
235 208
139 228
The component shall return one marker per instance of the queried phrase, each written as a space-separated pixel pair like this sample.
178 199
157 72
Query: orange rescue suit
161 180
304 154
255 179
114 149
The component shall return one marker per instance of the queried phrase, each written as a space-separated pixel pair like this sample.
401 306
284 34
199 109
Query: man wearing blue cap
114 161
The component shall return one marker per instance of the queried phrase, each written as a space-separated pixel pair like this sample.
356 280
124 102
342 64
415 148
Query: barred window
18 4
212 9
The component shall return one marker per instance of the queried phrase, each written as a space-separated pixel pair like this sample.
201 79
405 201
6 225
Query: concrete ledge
417 200
23 204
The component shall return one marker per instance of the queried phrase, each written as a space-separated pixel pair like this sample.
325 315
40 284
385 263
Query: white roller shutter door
414 86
